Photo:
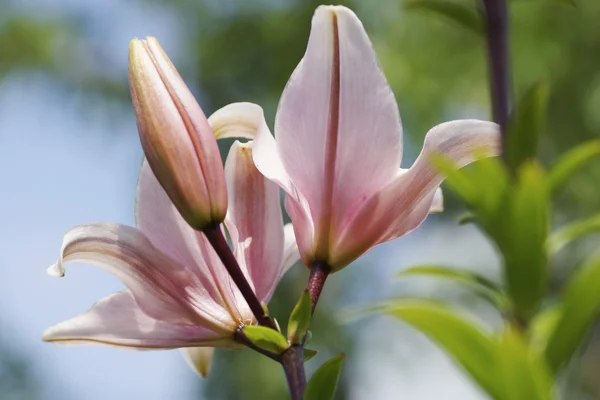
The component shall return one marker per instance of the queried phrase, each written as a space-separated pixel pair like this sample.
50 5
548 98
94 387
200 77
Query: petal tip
56 270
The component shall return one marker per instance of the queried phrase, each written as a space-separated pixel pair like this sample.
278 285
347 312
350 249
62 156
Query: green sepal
300 319
266 338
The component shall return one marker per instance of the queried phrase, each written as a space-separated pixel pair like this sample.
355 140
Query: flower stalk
496 17
215 236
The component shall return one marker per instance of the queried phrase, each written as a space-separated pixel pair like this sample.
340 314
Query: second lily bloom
339 147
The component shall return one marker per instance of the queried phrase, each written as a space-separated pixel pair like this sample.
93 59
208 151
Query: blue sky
60 167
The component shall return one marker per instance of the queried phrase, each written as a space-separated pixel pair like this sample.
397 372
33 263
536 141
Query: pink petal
338 127
117 320
290 248
199 359
162 288
437 204
403 205
159 220
237 120
254 220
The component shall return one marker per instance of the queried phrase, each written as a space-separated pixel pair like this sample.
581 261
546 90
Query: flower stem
292 361
496 15
215 236
319 272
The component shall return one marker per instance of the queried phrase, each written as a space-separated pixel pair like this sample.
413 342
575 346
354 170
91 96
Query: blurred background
69 154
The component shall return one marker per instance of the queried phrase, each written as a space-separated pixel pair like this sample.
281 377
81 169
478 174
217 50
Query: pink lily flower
178 293
339 148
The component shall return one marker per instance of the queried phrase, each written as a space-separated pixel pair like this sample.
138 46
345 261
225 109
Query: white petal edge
237 120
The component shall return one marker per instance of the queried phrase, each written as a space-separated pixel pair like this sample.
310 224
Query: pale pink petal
255 220
437 204
117 320
403 205
161 286
199 359
159 220
303 228
267 159
338 127
290 248
237 120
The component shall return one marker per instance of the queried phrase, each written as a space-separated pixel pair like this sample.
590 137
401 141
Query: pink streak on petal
255 212
117 320
162 287
338 128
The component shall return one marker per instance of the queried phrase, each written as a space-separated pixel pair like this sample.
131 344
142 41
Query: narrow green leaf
300 319
324 381
524 241
542 326
573 231
465 15
580 308
571 161
528 376
266 338
469 346
527 123
466 218
484 287
309 354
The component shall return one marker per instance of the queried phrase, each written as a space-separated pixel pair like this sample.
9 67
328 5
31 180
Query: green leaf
484 287
542 326
580 308
465 15
266 338
571 161
523 243
469 346
572 231
526 125
300 319
324 381
309 354
466 218
527 376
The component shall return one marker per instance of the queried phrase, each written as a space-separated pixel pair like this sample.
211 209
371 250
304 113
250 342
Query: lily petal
290 248
437 204
163 289
336 102
159 220
403 205
237 120
254 220
199 359
117 320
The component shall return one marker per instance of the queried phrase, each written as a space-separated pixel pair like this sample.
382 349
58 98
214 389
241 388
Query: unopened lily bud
177 139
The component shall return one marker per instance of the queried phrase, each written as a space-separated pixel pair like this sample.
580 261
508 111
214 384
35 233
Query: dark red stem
496 17
215 236
319 272
292 361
